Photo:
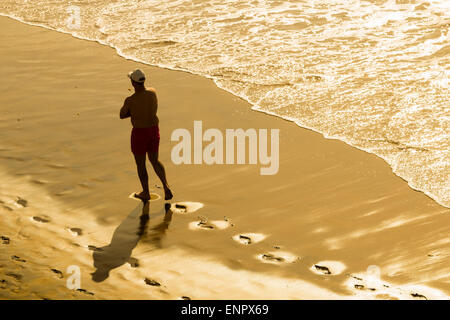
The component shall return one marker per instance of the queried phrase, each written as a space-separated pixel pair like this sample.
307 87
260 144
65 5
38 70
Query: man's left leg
143 176
161 173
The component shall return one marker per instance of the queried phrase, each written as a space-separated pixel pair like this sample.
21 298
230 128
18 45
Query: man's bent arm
125 110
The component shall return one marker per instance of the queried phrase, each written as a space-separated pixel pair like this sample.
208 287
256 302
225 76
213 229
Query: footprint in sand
7 208
421 292
58 273
64 192
3 284
18 259
268 257
201 225
151 282
209 225
18 202
153 197
5 240
134 263
363 287
21 203
419 296
249 238
41 219
75 231
85 292
16 276
186 207
277 257
328 268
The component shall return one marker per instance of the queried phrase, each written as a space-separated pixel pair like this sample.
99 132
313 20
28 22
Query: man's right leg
143 176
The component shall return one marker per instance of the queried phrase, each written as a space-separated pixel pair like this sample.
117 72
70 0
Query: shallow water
371 73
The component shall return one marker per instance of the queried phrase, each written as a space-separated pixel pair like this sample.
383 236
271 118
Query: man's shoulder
130 98
151 90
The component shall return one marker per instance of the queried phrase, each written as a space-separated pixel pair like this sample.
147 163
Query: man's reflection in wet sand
125 239
158 232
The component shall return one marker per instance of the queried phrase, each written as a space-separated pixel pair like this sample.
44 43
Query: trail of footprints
19 203
76 232
277 256
203 223
11 204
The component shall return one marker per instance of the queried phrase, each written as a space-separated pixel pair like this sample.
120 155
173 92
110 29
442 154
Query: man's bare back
141 107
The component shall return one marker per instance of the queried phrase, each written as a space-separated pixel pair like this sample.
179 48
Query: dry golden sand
65 163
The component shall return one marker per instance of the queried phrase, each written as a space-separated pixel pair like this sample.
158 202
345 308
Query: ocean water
374 74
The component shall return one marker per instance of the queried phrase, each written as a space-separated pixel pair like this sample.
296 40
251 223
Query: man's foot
144 196
167 194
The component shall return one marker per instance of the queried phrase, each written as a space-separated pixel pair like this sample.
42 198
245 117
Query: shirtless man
142 107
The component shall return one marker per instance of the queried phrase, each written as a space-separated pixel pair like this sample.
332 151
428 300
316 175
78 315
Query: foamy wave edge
254 106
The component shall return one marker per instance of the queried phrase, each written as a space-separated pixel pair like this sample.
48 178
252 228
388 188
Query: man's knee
155 163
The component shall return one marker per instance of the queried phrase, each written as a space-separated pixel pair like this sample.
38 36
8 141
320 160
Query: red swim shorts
145 140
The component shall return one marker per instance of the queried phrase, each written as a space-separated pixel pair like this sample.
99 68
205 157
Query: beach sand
334 223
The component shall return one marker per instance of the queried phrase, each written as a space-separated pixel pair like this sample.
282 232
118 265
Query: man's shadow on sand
126 238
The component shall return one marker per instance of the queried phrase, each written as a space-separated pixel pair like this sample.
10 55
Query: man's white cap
137 76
